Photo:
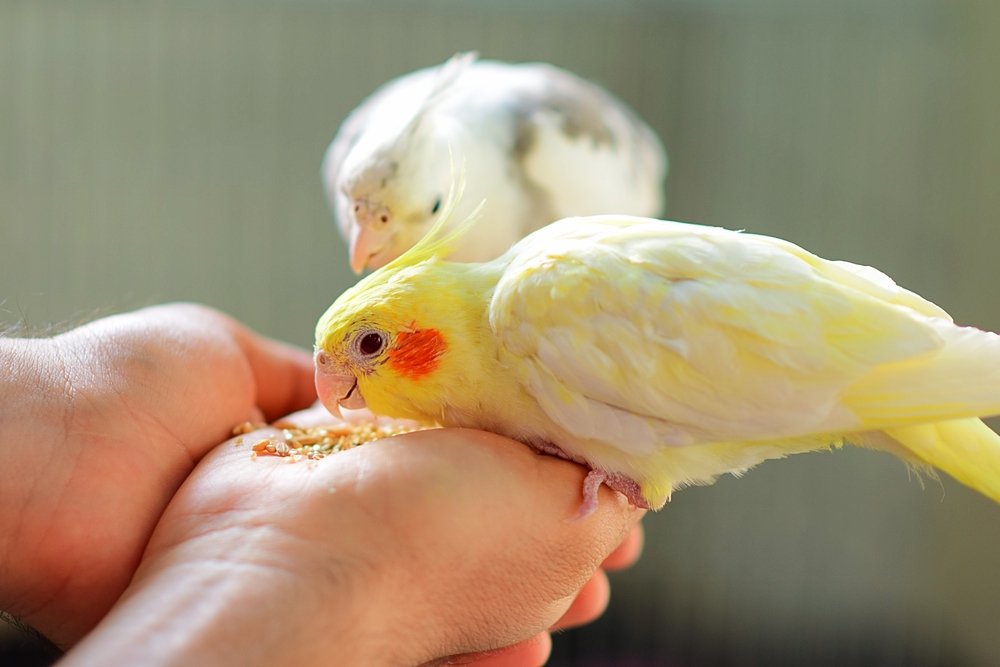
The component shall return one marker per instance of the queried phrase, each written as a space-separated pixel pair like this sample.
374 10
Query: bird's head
372 341
392 183
397 331
392 197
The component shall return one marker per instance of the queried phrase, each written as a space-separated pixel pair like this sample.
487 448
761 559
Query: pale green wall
152 151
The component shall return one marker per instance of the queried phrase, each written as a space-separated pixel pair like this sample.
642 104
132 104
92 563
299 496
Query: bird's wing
583 147
644 333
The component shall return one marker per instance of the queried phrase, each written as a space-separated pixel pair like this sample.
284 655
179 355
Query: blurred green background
154 151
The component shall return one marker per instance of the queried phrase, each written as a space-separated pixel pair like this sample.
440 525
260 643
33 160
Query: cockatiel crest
538 142
662 354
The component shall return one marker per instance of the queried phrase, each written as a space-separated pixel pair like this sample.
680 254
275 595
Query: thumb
282 373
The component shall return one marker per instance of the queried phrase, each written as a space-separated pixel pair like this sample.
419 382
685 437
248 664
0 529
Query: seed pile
315 442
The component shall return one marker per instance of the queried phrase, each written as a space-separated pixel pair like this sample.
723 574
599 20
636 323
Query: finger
628 551
283 374
543 510
532 652
589 604
532 501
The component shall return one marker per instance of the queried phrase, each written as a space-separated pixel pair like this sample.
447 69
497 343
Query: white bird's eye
370 343
436 207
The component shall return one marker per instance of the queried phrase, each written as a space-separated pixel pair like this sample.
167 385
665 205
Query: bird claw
591 488
623 484
626 486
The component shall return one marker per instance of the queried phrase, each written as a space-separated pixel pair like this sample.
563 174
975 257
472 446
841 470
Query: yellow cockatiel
663 354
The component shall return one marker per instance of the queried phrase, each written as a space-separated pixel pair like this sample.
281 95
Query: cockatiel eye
371 343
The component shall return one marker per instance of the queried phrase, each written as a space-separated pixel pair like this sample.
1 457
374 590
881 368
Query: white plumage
535 143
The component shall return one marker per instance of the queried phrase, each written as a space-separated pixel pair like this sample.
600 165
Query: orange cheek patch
416 353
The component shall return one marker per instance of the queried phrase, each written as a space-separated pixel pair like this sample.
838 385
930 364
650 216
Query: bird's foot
544 447
628 487
591 488
623 484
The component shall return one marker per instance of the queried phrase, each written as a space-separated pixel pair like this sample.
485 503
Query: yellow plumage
966 449
663 354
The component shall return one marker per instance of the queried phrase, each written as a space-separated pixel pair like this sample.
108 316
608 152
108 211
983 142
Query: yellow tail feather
966 449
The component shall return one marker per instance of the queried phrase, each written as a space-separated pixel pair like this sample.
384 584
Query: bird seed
317 442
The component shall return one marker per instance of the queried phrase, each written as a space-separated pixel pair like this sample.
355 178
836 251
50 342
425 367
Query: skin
192 550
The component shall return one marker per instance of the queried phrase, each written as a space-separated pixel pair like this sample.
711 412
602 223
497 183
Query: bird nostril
385 218
322 359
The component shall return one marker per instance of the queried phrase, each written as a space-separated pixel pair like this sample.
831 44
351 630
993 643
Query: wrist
33 410
61 568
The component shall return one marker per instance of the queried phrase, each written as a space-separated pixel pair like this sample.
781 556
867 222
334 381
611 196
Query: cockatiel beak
370 236
336 386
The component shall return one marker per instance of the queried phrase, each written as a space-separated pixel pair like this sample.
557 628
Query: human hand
100 426
587 606
405 551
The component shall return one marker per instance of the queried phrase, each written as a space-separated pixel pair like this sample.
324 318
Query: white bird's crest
447 76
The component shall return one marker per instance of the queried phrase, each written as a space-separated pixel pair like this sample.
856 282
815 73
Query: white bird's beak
336 386
371 235
367 246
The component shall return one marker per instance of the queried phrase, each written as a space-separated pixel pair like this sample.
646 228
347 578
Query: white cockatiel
535 143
